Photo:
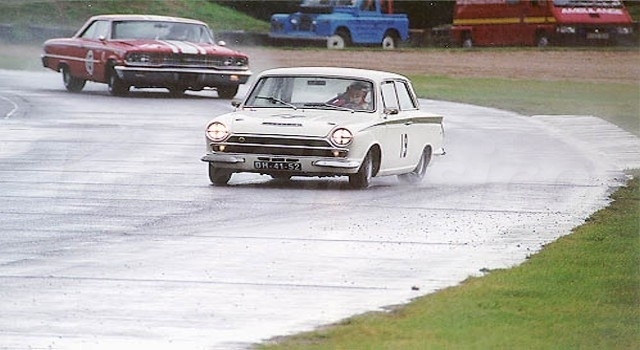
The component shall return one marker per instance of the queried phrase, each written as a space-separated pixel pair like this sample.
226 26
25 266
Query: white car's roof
335 72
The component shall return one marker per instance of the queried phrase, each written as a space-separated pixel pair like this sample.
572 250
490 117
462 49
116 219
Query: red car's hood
175 46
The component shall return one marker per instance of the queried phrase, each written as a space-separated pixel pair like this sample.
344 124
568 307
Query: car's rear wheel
71 83
420 170
117 87
362 178
227 92
218 176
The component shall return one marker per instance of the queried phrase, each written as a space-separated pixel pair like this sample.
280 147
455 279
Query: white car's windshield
312 92
157 30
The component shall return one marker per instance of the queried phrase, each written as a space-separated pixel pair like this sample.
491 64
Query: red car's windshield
156 30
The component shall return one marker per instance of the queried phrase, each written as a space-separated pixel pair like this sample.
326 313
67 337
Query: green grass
580 292
72 14
617 103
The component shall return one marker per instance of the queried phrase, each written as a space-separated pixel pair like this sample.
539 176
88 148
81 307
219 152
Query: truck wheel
542 40
70 83
467 42
339 40
335 42
389 42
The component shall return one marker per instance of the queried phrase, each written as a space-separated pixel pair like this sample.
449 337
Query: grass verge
74 13
580 292
616 103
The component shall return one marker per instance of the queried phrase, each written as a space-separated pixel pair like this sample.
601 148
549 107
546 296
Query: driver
354 97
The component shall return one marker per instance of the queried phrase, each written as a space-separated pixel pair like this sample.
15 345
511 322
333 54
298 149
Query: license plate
598 36
284 166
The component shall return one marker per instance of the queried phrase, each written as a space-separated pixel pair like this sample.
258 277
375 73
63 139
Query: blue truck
342 23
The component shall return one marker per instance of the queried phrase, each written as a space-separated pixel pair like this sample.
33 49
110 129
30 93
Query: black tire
390 41
117 87
280 177
177 91
542 40
227 92
362 178
218 176
467 41
420 170
71 83
340 40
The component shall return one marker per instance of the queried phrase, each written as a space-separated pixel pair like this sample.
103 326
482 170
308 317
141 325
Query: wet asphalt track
111 236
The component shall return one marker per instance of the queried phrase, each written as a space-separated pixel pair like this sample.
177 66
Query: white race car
325 121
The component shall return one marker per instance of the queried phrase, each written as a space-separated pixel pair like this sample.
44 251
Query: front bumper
310 166
190 77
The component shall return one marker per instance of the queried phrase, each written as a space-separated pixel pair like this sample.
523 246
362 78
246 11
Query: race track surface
111 236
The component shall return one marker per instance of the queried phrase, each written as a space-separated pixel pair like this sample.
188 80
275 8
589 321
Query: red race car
144 51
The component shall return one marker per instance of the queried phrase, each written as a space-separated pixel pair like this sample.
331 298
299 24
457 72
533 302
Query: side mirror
222 43
236 103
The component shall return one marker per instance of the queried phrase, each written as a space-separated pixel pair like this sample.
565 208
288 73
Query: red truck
540 22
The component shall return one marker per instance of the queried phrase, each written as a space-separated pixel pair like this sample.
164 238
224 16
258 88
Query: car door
413 127
394 143
90 51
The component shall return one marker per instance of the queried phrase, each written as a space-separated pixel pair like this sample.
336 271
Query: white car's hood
308 122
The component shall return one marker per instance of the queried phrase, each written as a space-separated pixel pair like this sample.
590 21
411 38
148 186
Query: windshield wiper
273 99
328 105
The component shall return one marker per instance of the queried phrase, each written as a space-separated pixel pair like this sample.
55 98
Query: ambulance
540 22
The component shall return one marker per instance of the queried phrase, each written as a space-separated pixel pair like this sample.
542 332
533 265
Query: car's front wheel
362 178
227 92
420 170
218 176
71 83
117 87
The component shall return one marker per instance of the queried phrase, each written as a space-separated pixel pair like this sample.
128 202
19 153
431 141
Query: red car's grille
189 60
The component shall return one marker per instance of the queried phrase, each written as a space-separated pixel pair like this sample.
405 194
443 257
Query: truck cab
342 23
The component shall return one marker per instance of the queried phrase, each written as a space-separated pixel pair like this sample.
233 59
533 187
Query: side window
404 96
90 31
389 96
102 30
95 30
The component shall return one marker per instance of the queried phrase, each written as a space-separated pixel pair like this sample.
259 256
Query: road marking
13 110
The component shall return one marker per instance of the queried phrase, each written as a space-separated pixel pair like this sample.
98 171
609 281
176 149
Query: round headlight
217 131
341 137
